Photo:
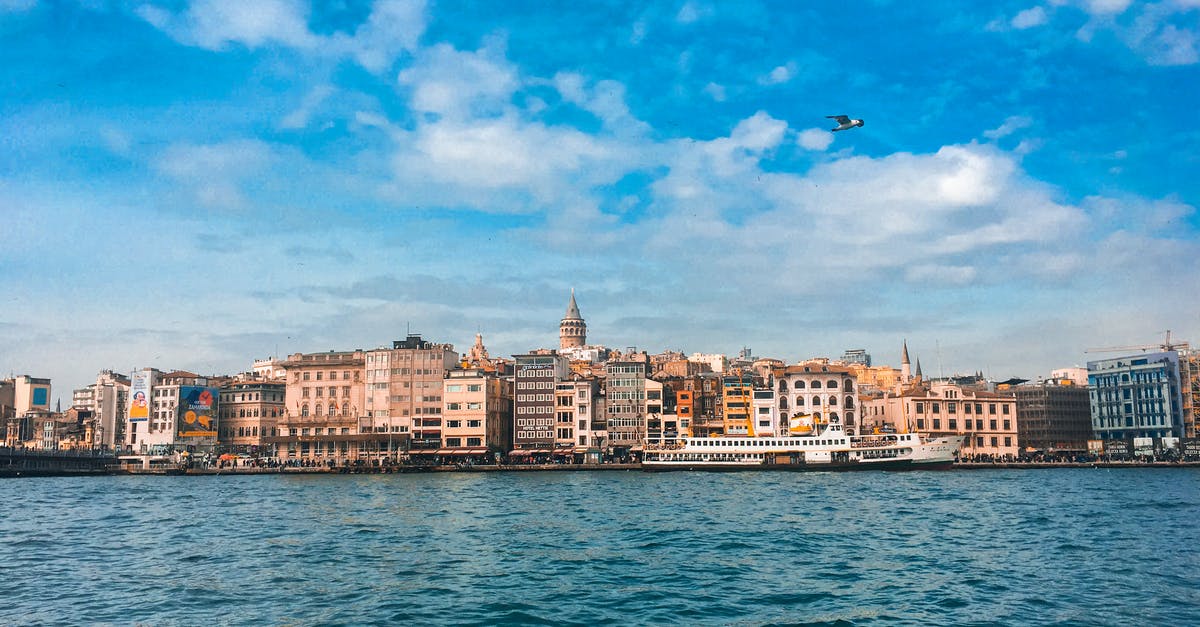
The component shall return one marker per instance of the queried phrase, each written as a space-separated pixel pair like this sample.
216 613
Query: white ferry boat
827 448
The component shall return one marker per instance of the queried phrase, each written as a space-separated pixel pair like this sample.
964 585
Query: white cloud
781 74
214 173
300 117
16 6
1162 33
715 91
814 139
605 100
1029 18
214 24
392 27
692 12
451 82
1011 125
116 140
1106 7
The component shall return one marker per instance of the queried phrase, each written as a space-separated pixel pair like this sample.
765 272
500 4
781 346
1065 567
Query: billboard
139 396
196 415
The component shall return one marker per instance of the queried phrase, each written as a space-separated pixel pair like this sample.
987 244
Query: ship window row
765 442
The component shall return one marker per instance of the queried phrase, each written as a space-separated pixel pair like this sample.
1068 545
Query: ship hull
896 464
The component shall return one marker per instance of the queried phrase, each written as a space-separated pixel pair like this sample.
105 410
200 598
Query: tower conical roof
904 358
572 309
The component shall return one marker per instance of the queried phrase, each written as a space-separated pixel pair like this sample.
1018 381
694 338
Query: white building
716 363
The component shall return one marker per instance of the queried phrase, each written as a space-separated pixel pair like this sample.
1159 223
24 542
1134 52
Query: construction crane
1165 345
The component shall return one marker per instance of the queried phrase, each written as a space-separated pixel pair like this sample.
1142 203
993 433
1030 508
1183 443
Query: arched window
848 385
849 402
799 385
783 386
833 417
345 409
304 409
833 401
849 417
817 416
816 384
799 401
831 384
318 411
783 403
332 409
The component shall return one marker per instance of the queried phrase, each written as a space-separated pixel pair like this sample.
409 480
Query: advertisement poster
139 396
197 412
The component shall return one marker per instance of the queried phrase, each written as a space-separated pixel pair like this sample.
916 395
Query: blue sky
199 184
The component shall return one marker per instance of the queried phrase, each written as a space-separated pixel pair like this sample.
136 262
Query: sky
198 184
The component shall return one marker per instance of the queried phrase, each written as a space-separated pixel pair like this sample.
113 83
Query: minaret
572 331
918 375
905 366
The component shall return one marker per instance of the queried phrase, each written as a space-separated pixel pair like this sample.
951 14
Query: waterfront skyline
198 186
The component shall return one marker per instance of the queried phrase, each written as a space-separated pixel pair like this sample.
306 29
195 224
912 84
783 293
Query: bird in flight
844 122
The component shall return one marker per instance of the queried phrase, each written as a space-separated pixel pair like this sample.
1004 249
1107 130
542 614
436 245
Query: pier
23 462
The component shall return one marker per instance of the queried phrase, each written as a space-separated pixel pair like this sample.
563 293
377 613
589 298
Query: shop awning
461 451
529 451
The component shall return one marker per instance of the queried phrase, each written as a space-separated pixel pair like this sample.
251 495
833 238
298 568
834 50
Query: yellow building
736 393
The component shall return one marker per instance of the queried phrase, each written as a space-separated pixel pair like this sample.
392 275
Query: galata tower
572 331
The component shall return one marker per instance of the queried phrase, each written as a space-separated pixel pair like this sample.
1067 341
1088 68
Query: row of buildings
417 399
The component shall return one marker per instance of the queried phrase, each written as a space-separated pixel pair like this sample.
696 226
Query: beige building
250 411
477 413
323 420
820 391
404 392
988 420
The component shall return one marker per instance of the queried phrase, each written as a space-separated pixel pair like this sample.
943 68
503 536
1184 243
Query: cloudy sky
199 184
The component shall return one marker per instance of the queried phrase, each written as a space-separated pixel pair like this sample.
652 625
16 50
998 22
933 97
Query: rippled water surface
1070 546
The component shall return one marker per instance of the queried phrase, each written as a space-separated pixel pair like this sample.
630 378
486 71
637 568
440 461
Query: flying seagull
844 122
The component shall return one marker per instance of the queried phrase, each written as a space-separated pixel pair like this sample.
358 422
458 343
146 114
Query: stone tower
572 331
905 365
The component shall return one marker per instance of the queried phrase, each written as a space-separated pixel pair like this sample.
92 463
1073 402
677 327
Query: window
992 408
456 387
920 408
319 373
1008 441
303 411
474 387
953 424
995 441
936 407
937 423
1004 409
952 408
967 408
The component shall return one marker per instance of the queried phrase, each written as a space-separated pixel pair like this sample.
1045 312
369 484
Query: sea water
1062 546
